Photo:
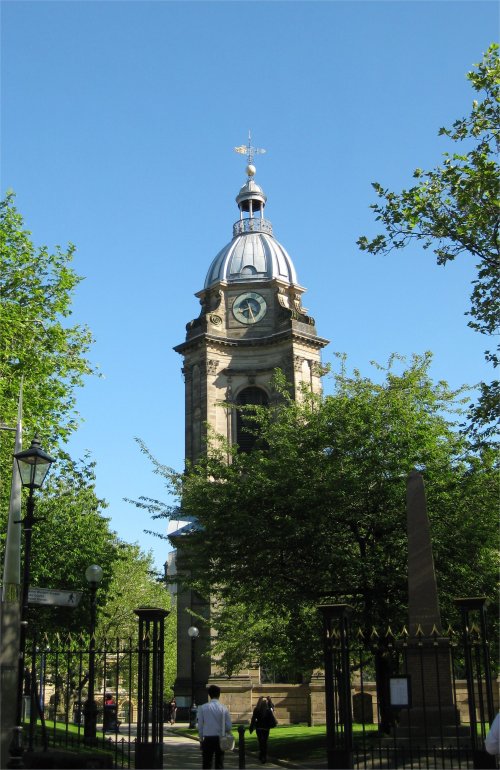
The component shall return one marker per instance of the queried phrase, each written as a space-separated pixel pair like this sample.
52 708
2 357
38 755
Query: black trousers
262 736
209 747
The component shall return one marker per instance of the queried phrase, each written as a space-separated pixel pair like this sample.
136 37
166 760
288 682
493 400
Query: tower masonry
251 322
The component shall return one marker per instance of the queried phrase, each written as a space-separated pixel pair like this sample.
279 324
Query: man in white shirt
492 742
211 717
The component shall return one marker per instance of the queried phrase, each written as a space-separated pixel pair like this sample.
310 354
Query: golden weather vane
248 150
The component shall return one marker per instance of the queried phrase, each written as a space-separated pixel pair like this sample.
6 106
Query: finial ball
251 170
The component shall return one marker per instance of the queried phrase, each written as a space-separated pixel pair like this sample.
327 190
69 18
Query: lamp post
93 575
33 465
193 634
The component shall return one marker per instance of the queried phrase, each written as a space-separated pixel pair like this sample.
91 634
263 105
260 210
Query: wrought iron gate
395 700
128 692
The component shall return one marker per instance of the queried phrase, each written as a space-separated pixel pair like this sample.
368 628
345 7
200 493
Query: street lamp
193 634
33 465
93 575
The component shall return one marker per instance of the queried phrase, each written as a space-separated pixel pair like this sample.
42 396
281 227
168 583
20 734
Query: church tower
251 322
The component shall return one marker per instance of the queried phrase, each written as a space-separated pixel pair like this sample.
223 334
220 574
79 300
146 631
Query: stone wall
305 703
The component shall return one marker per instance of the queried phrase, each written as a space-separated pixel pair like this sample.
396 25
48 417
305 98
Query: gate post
337 685
149 746
477 669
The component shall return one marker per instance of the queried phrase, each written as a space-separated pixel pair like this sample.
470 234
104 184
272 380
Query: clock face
249 308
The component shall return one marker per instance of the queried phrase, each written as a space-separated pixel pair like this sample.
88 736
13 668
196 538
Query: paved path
181 753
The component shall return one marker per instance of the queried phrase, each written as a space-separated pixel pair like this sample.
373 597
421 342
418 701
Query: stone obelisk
423 603
428 661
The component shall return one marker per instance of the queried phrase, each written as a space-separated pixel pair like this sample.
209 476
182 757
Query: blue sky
119 121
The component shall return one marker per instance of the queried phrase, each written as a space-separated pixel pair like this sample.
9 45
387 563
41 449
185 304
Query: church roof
251 256
181 526
254 254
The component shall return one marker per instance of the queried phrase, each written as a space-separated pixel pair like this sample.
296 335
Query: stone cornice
273 339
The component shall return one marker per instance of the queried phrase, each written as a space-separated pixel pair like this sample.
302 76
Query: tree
455 209
134 583
36 289
70 534
318 515
37 345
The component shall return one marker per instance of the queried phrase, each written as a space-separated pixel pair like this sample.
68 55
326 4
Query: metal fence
392 699
128 692
56 688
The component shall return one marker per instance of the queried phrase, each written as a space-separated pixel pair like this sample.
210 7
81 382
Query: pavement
183 753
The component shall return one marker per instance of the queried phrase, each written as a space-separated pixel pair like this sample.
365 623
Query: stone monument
428 663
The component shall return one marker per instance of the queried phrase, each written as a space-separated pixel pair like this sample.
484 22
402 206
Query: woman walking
263 720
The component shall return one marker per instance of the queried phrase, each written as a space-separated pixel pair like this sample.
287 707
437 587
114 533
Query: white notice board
400 691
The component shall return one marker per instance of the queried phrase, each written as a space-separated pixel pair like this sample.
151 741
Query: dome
251 256
251 191
254 254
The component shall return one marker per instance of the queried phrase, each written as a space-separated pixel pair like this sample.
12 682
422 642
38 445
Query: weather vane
249 151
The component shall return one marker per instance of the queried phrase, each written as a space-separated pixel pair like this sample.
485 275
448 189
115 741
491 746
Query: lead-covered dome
251 256
254 254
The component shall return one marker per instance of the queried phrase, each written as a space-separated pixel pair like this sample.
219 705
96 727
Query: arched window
244 439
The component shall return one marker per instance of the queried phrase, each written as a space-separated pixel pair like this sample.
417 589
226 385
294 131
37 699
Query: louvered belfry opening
244 424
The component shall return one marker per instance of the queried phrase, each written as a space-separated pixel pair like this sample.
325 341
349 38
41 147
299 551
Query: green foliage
50 355
70 534
134 583
319 516
455 209
36 288
36 343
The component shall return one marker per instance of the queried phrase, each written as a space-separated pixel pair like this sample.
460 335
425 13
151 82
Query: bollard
241 745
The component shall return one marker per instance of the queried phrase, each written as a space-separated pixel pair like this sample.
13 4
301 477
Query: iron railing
252 225
128 691
401 693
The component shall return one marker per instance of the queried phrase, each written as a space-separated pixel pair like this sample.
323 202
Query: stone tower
251 322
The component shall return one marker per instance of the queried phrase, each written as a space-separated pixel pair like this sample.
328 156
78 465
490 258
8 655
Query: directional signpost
54 597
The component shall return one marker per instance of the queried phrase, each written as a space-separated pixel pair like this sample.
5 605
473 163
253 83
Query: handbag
272 719
226 740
